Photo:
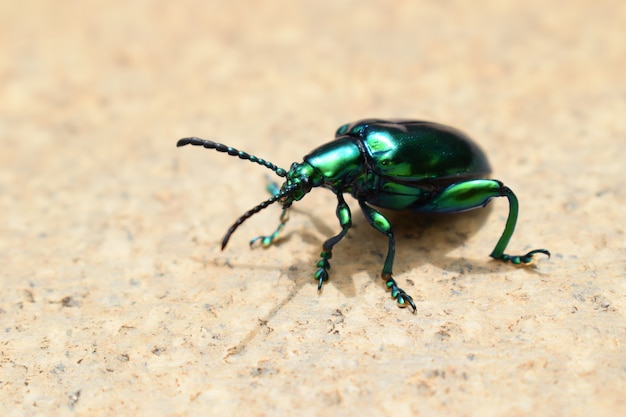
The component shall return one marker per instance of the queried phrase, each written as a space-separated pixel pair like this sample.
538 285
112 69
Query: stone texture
116 300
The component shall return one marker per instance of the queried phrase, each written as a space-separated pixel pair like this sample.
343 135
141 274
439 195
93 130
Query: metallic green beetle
392 164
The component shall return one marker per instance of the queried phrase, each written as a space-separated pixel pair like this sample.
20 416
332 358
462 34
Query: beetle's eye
306 185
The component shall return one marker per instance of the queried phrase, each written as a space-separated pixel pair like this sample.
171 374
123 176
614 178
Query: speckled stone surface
115 298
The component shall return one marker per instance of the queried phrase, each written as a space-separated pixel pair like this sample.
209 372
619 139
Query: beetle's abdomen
416 150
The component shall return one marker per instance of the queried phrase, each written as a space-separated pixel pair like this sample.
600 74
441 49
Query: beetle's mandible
392 164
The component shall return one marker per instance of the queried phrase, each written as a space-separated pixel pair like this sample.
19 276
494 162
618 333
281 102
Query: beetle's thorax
337 163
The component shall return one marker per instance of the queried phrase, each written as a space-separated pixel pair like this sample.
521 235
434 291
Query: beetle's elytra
398 165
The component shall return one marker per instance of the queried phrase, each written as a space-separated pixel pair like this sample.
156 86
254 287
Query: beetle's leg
498 251
345 221
476 193
269 239
273 188
380 223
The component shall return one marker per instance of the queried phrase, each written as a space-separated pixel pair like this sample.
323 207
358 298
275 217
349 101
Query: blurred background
115 297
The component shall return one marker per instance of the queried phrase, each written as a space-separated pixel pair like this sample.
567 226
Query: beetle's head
301 178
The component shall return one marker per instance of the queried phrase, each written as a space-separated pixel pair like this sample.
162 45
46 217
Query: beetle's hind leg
471 194
498 251
345 221
380 223
273 188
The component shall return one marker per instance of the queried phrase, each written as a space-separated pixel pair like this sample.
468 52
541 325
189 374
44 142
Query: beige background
116 299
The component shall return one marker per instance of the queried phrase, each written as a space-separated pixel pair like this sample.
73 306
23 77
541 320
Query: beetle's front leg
380 223
273 188
345 221
269 239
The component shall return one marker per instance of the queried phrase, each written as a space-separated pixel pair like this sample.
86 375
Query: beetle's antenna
232 152
255 210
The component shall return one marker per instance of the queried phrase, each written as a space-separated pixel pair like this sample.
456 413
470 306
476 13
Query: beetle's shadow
427 238
420 238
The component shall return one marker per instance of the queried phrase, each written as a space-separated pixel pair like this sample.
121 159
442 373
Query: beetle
410 165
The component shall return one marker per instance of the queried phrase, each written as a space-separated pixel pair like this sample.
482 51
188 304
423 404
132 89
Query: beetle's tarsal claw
524 259
402 298
544 251
321 275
